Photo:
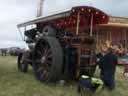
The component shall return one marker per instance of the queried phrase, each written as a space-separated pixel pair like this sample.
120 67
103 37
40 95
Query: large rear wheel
48 59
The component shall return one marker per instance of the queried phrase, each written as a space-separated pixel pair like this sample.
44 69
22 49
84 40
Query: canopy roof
69 18
119 25
116 22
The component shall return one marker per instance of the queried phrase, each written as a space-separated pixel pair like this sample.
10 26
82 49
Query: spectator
108 67
3 52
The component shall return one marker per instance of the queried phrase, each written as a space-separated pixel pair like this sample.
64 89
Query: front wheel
22 65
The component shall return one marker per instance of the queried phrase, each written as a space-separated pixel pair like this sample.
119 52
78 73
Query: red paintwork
99 17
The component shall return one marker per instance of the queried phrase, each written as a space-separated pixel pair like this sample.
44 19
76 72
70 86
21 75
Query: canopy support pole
97 40
78 22
21 34
110 36
125 34
91 25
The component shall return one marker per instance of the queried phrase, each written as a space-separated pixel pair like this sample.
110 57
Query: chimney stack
40 8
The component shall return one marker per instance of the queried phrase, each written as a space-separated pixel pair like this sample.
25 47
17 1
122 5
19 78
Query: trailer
61 46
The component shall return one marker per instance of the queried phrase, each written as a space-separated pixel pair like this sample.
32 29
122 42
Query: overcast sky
13 12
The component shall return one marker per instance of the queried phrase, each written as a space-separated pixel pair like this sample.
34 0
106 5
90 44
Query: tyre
48 59
22 65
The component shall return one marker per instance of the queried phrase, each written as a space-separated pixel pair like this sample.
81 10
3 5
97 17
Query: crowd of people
3 52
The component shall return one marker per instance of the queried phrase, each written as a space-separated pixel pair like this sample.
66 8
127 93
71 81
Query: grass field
15 83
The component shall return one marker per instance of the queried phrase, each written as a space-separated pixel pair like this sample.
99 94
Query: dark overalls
108 68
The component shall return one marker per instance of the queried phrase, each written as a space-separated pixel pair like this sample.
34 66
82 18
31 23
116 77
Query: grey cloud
17 11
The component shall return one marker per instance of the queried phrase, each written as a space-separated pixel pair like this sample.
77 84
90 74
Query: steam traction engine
61 46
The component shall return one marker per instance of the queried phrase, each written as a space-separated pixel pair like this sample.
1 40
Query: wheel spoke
38 55
49 62
38 61
46 51
39 69
42 51
39 52
49 53
49 56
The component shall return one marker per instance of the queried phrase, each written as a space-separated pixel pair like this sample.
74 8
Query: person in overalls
108 67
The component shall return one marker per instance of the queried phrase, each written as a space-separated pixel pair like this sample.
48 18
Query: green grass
15 83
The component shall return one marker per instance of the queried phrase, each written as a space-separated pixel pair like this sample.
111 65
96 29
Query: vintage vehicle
62 46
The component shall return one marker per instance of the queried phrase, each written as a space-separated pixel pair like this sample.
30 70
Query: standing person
108 67
101 54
